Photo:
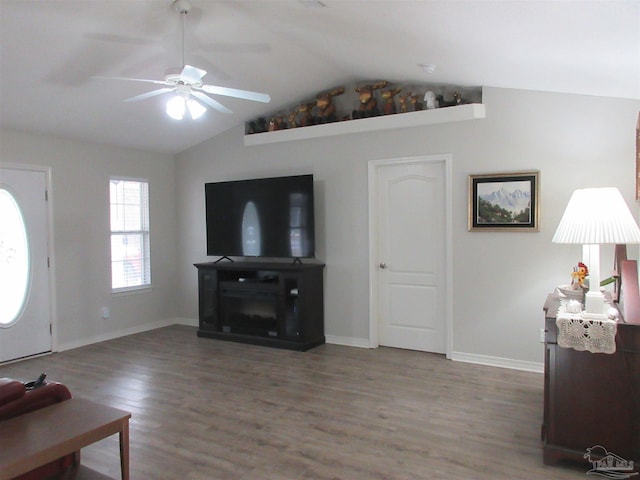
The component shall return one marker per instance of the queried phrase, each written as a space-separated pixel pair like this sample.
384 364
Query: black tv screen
266 217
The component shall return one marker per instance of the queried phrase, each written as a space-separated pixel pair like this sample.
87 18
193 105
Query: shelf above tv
460 113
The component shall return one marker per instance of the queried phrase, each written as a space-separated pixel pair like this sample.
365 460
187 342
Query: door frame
50 246
374 313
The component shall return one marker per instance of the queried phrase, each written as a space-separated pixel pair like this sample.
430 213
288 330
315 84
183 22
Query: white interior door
409 254
25 307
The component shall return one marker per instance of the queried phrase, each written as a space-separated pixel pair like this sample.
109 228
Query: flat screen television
265 217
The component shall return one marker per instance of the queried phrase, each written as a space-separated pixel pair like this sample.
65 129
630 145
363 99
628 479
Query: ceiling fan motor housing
182 6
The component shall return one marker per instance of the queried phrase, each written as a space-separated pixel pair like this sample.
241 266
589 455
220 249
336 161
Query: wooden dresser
590 399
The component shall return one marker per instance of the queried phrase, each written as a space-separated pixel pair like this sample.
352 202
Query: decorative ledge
459 113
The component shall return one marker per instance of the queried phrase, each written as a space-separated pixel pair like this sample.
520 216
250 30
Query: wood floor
206 409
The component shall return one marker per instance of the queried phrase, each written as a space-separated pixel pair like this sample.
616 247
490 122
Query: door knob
383 265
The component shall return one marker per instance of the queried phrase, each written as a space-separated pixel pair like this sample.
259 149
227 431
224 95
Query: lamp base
595 307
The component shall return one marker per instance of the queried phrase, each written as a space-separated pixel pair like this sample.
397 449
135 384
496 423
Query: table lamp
596 216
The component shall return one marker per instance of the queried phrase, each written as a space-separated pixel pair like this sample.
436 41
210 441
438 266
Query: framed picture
504 201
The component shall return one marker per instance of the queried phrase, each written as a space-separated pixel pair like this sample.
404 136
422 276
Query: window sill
126 291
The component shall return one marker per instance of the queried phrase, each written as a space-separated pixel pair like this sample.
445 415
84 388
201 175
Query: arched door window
14 260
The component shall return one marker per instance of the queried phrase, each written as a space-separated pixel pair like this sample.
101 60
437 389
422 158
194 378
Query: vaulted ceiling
291 49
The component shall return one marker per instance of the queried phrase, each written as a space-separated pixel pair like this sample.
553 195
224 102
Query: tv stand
223 258
272 304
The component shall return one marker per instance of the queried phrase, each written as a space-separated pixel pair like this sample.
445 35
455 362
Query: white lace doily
596 336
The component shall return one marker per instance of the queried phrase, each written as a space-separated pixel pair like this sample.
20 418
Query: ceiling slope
290 49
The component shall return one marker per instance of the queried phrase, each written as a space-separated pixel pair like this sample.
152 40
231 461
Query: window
130 259
14 260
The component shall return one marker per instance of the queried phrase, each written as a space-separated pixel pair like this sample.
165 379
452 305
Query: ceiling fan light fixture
179 104
195 109
176 107
191 93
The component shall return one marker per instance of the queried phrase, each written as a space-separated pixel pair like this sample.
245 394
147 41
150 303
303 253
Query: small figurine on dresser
578 287
579 275
368 103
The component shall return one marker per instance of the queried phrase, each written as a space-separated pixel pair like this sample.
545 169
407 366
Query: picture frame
638 158
504 201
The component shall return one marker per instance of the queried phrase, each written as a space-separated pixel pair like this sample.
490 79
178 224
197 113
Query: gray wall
81 256
500 280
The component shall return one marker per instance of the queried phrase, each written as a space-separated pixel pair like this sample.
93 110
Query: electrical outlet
542 335
105 312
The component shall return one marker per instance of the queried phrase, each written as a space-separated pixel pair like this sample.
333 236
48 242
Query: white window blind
130 258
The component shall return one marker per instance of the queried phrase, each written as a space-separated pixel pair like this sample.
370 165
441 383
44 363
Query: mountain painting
504 201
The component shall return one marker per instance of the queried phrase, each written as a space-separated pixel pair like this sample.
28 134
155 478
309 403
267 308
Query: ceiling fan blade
152 93
233 92
210 101
191 75
145 80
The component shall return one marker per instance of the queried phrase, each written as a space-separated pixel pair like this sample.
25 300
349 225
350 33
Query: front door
25 309
409 253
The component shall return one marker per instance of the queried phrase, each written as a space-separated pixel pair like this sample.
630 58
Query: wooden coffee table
41 436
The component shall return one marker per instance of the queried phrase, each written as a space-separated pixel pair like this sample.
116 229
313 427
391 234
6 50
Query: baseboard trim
498 362
190 322
115 334
332 339
347 341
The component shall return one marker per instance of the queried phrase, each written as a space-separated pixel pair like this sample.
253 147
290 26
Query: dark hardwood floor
206 409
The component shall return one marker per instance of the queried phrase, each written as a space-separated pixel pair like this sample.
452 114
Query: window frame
143 232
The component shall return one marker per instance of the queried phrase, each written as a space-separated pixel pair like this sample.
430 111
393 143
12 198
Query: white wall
81 257
500 280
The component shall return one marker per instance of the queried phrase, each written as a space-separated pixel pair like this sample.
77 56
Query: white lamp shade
597 216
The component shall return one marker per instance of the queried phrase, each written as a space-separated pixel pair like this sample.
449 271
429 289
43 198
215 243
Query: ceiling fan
188 85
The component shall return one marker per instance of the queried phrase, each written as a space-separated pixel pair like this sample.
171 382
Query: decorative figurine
325 109
417 106
402 100
578 275
291 118
430 100
257 126
389 106
305 119
458 100
368 103
276 123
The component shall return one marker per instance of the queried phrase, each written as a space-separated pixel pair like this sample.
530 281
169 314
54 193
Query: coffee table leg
124 449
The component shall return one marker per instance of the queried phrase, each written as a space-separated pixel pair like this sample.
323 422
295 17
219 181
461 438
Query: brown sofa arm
30 400
10 390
